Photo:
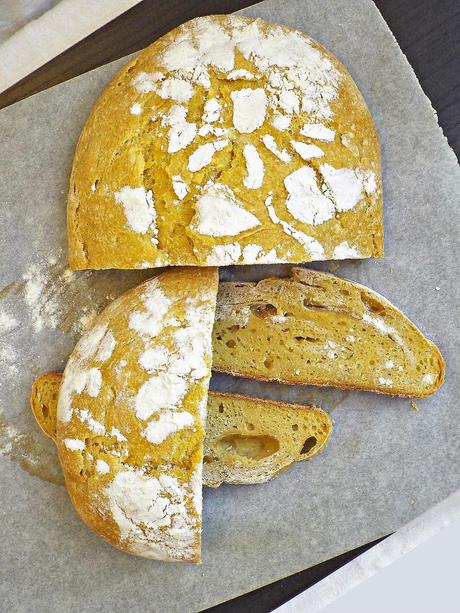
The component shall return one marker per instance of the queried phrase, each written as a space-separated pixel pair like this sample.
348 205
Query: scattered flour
7 322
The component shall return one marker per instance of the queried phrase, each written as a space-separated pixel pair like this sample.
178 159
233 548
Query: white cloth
14 14
55 30
369 563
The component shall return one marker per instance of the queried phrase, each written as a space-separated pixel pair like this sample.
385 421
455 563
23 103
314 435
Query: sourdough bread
130 416
248 440
318 329
227 141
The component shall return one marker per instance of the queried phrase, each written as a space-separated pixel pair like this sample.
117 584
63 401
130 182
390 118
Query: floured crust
250 440
227 141
130 416
317 329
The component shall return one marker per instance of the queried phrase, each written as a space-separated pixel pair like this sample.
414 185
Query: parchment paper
386 463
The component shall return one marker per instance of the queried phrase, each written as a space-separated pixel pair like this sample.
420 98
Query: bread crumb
414 406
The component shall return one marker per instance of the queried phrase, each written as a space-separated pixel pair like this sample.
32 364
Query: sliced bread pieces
229 140
318 329
131 413
248 440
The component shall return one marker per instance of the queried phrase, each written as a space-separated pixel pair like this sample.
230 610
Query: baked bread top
130 416
228 140
318 329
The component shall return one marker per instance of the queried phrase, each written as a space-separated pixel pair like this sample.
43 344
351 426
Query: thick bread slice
317 329
229 140
248 440
130 416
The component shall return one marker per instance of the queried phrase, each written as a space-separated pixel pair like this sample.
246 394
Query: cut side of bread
317 329
131 412
229 140
248 440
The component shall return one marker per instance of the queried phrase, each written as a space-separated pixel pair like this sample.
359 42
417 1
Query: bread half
229 140
130 416
318 329
247 441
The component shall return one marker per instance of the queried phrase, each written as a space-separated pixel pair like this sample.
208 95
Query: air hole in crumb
295 427
221 408
308 339
263 310
268 362
207 459
344 292
234 328
372 305
310 305
308 444
254 447
45 410
231 343
251 426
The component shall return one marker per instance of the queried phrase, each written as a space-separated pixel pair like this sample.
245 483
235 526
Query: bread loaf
248 440
130 416
318 329
227 141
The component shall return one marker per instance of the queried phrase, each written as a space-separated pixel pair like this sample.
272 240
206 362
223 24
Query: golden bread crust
147 175
130 416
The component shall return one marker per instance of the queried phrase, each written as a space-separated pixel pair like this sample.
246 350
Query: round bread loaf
227 141
130 416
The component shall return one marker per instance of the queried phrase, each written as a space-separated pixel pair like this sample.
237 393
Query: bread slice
43 401
229 140
130 416
248 440
318 329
